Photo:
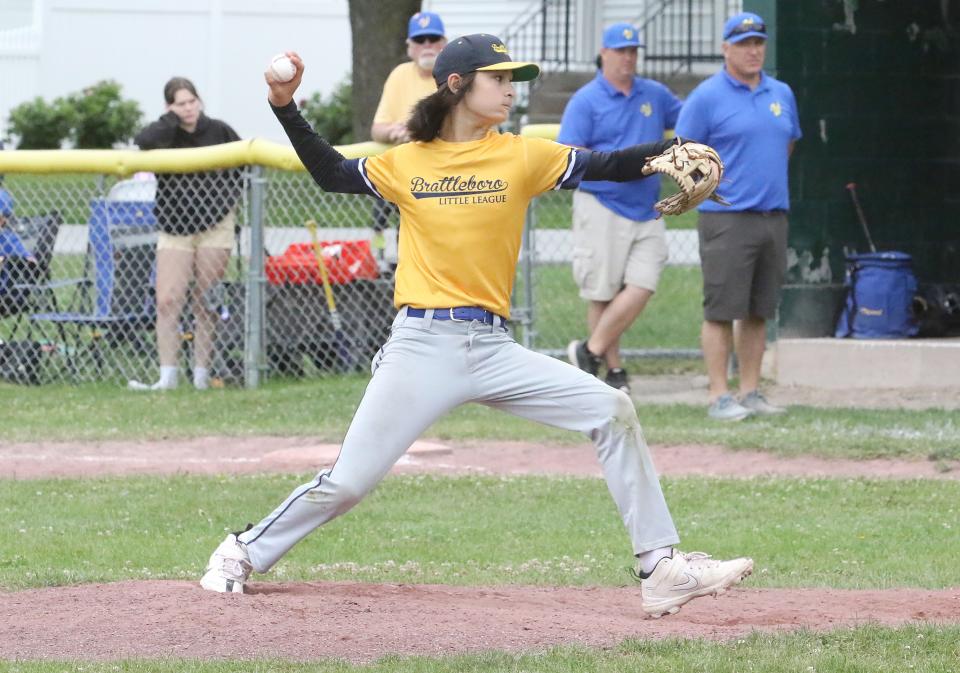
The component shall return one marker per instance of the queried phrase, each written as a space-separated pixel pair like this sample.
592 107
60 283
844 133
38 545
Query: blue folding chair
117 304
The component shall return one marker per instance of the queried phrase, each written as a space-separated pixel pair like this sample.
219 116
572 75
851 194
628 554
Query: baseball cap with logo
425 23
480 51
744 25
6 203
621 35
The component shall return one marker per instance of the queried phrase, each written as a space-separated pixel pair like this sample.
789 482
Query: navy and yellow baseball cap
425 23
480 51
741 26
621 35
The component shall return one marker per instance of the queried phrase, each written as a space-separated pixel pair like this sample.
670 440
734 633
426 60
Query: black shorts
744 260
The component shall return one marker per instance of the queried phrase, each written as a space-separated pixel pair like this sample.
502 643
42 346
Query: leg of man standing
750 343
716 339
727 271
609 320
769 272
618 258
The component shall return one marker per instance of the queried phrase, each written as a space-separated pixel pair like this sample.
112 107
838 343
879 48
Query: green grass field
840 533
919 649
323 407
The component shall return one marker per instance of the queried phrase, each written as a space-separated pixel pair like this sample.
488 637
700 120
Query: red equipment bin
346 261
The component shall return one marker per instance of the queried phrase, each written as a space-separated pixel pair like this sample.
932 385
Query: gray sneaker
580 357
726 408
757 403
617 378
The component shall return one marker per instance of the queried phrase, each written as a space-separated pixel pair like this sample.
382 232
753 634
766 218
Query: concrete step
548 100
867 363
549 103
564 81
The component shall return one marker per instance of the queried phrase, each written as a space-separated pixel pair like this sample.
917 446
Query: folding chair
105 328
26 248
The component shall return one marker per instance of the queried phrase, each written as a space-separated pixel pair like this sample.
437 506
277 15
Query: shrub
103 118
331 117
38 125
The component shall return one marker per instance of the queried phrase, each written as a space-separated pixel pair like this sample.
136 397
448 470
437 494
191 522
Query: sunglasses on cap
747 27
420 39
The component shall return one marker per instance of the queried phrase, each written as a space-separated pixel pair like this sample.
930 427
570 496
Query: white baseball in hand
282 68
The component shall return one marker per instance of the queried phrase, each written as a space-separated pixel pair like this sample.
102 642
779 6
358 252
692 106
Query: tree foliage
103 118
331 117
39 125
95 118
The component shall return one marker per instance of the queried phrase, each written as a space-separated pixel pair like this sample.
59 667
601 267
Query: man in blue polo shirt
619 244
751 120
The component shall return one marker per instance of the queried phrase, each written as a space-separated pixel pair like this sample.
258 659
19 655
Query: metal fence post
527 260
253 361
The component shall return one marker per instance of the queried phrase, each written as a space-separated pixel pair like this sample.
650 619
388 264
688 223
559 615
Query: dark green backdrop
879 95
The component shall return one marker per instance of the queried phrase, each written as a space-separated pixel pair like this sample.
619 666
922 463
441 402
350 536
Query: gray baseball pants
427 368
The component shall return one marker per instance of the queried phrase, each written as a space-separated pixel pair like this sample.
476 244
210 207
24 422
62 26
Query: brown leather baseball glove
695 168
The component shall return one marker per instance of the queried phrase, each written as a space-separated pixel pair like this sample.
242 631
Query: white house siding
15 14
463 17
222 45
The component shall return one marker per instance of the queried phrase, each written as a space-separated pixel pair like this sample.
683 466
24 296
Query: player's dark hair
430 112
171 88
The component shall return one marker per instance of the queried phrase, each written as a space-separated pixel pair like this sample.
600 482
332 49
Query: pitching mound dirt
361 622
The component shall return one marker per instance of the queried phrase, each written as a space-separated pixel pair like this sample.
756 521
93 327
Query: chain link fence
301 286
553 314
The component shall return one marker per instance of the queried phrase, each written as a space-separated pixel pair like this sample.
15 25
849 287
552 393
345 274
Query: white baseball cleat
682 577
159 385
228 568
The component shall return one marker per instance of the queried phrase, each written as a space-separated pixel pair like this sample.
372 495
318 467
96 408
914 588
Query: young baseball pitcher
462 190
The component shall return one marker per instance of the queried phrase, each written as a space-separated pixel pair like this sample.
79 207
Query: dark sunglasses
420 39
747 27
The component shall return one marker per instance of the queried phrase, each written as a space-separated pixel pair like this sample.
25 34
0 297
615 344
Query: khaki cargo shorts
610 251
220 236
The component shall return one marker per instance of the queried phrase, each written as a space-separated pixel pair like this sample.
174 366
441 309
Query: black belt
458 314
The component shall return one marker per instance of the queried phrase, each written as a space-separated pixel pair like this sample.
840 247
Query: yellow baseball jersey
462 207
404 87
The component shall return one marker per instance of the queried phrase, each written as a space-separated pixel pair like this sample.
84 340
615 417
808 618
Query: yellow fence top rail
548 131
126 162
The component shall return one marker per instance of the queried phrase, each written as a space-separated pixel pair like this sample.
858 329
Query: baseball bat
852 188
340 339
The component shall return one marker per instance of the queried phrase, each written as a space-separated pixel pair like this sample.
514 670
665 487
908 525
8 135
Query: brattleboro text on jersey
455 185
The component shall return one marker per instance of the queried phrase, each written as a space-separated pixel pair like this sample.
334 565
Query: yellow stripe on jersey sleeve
547 162
379 173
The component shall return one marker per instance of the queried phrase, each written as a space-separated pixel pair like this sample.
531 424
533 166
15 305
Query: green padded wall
879 95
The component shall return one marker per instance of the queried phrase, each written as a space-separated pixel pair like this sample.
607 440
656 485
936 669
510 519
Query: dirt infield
246 455
362 622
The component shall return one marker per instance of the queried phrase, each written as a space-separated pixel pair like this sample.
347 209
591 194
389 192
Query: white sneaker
683 577
228 568
159 385
725 408
758 404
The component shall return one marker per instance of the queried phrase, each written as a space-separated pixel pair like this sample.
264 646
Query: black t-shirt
190 203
